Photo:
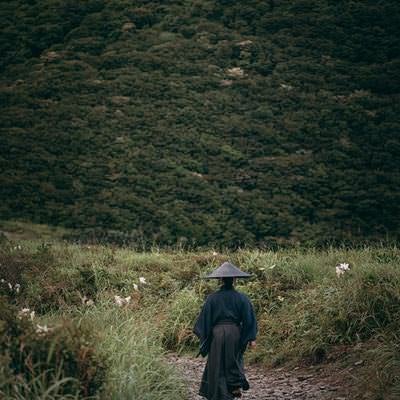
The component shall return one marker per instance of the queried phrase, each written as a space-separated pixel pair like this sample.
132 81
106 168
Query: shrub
51 278
38 358
345 311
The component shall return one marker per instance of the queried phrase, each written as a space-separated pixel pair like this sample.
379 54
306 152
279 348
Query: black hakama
224 369
225 326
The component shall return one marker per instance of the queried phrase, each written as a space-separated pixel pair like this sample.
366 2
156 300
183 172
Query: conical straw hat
228 270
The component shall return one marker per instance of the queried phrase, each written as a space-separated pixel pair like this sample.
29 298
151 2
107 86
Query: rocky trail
310 383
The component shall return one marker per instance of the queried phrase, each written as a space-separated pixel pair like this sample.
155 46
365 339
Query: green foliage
178 326
131 344
125 121
58 362
305 312
48 277
380 375
304 309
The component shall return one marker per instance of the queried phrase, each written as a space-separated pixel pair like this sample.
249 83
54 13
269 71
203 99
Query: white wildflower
280 298
142 280
136 287
23 313
342 268
17 287
214 253
42 329
2 280
86 301
119 300
339 272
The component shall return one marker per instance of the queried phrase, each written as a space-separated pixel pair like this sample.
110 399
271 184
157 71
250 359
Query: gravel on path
265 384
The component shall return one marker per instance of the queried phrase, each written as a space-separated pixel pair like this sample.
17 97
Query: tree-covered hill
216 122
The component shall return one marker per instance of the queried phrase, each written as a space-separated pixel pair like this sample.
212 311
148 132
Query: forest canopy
223 123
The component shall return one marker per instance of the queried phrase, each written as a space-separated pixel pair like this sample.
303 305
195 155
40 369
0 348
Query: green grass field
305 314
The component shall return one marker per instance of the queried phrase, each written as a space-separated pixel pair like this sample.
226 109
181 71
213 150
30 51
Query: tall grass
380 375
304 310
39 388
177 327
131 344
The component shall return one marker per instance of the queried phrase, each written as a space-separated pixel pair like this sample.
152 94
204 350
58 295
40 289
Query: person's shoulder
211 297
242 296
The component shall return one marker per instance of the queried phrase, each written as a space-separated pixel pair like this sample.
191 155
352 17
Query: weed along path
266 384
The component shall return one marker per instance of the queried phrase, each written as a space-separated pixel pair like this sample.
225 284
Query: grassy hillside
208 122
114 351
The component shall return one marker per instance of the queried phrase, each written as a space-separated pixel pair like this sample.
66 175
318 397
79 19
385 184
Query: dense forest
206 122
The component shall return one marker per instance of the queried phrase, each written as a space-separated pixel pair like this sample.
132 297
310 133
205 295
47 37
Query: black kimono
225 326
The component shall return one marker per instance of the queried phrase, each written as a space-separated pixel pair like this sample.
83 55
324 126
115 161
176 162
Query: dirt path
268 384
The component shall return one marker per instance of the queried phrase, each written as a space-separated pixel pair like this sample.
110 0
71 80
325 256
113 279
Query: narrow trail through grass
127 308
305 383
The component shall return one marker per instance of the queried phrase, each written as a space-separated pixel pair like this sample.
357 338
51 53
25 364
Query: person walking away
225 326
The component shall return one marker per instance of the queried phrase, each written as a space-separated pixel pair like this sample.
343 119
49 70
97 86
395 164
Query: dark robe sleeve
249 324
203 327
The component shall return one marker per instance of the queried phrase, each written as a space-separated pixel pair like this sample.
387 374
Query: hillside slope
208 121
